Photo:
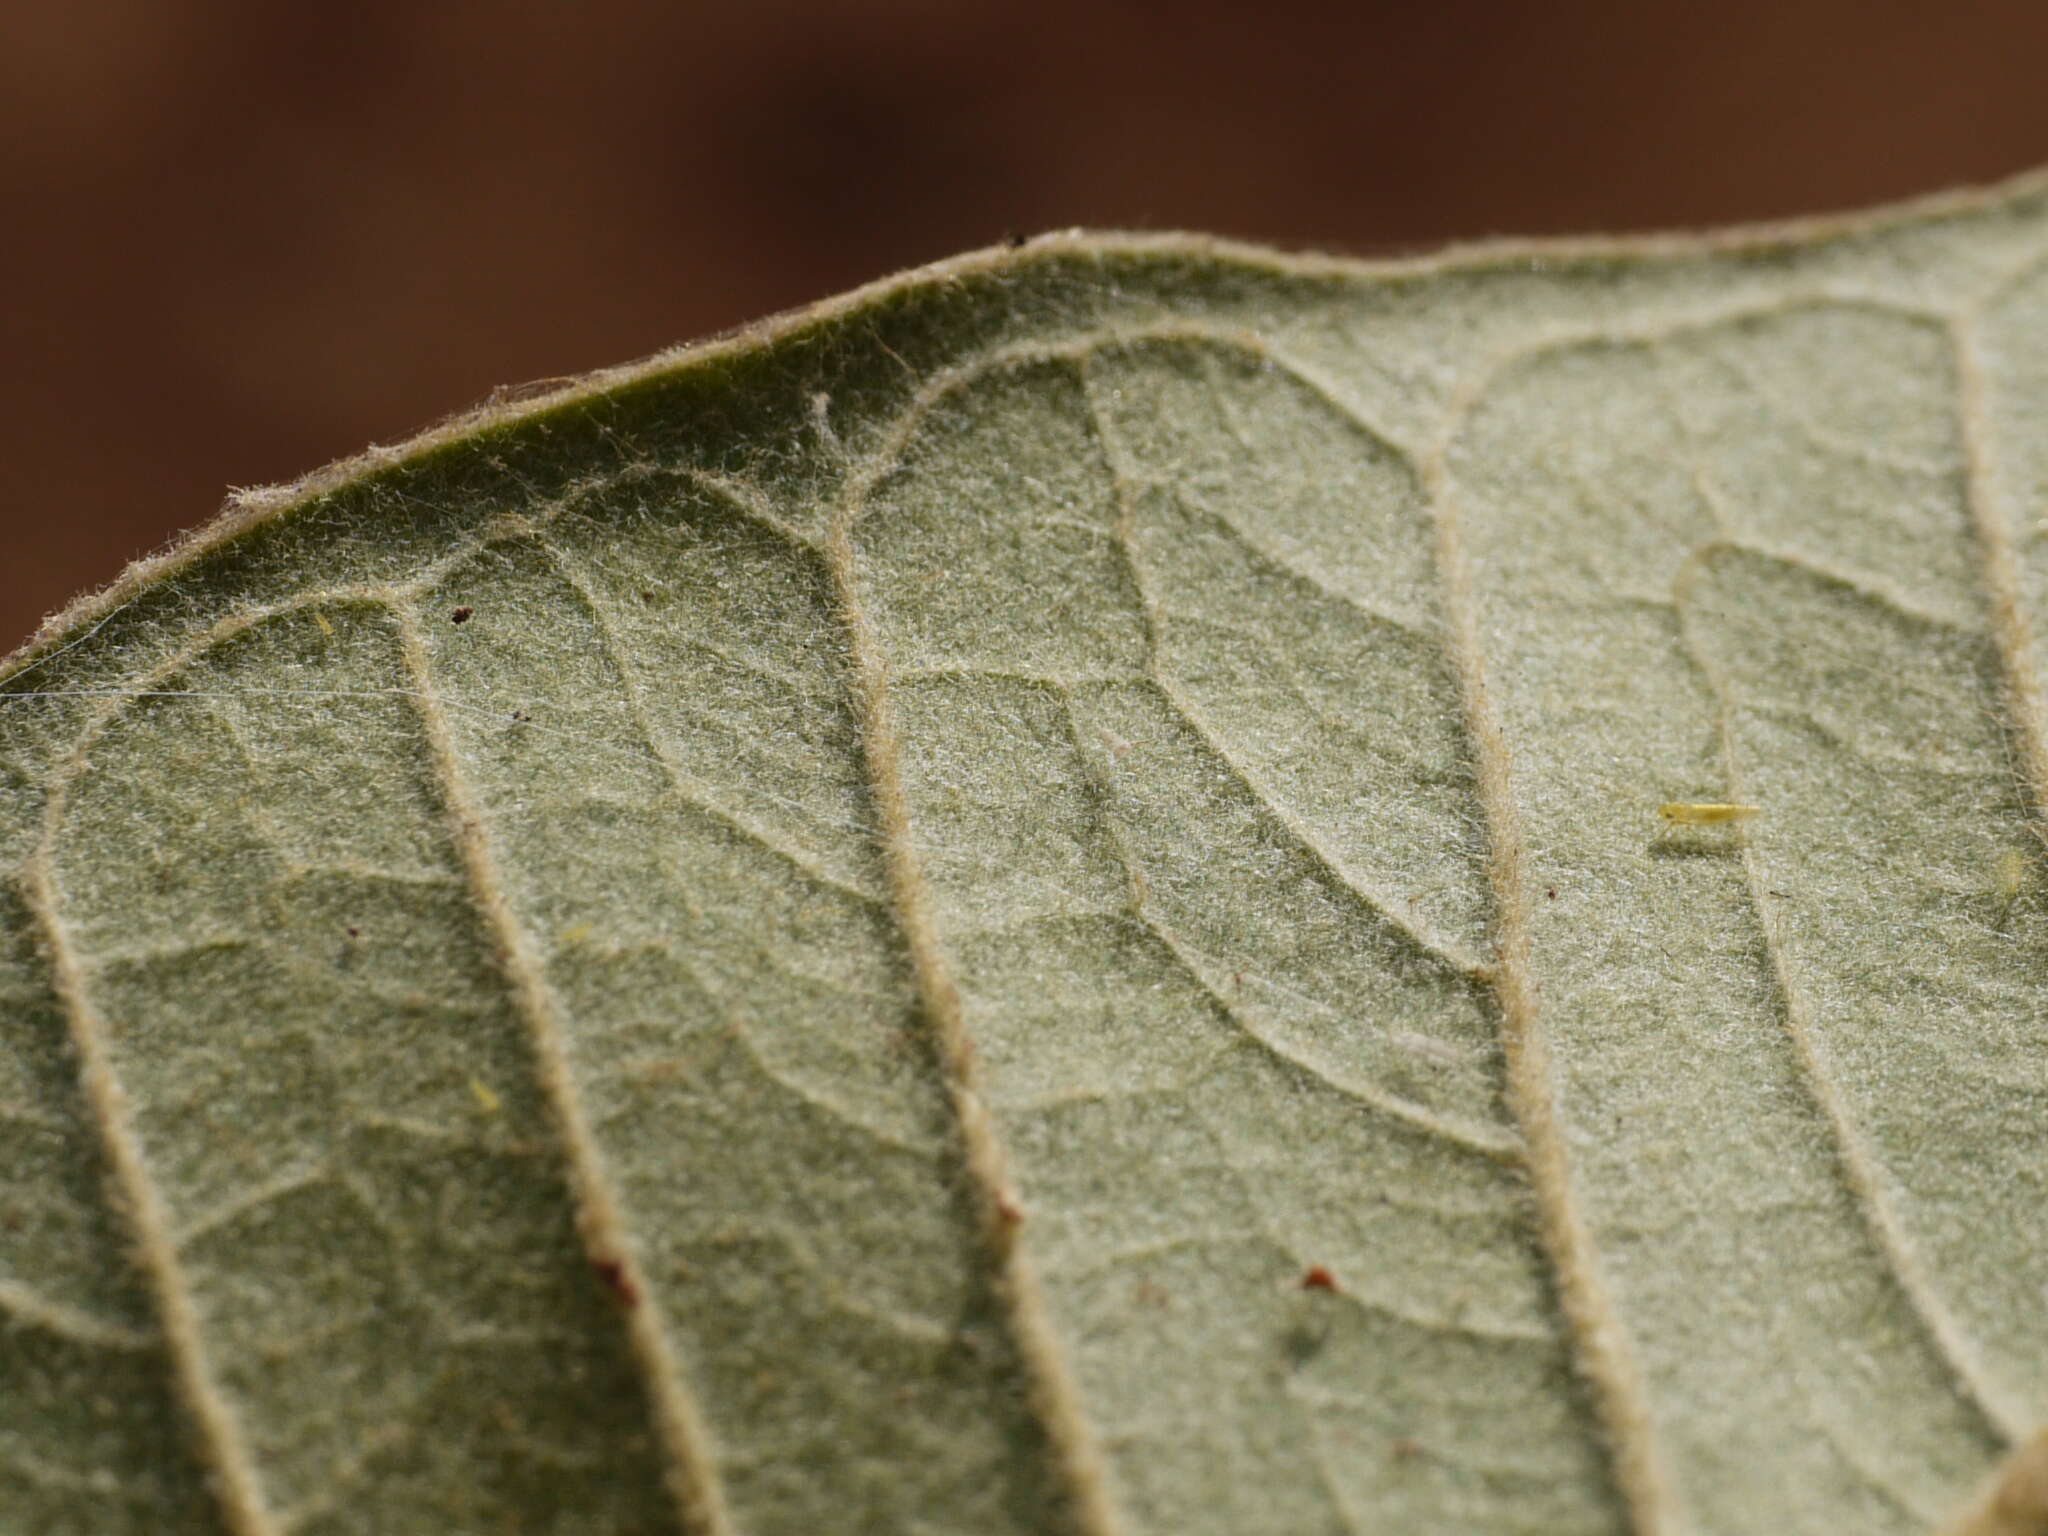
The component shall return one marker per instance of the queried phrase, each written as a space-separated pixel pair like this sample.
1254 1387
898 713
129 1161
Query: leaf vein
1600 1342
222 1441
1054 1393
679 1423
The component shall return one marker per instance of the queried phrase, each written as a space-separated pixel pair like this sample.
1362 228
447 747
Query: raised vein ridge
1054 1394
1859 1166
1600 1343
2010 632
693 1476
223 1445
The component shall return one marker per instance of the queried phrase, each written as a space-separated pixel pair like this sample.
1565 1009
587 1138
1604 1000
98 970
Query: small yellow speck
486 1100
2009 876
577 933
1693 813
326 628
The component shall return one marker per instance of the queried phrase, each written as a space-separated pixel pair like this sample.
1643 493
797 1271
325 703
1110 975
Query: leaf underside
1034 902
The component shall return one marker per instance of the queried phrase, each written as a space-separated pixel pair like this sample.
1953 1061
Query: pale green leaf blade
1035 901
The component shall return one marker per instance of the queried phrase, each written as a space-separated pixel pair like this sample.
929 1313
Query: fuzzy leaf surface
1034 901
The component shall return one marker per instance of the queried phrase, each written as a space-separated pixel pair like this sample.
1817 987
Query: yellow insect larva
1698 813
2008 881
2009 875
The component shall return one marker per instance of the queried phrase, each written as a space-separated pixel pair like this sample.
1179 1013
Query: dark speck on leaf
461 615
615 1279
354 932
1016 241
1301 1344
1319 1279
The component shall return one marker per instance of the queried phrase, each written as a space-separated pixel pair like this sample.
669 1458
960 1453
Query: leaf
1033 901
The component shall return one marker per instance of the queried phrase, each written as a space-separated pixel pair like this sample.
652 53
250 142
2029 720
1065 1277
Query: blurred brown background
243 238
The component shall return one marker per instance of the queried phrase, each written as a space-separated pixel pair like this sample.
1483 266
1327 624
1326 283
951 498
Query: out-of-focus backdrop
238 238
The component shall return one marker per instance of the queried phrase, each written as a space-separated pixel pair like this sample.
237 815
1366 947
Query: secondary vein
1601 1344
679 1421
224 1447
1055 1395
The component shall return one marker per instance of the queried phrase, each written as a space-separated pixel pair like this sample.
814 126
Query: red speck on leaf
615 1279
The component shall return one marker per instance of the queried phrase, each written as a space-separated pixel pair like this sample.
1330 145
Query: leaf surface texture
1033 901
